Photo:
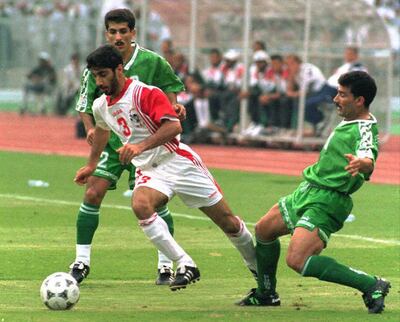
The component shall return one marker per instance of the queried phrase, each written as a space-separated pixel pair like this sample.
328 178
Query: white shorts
185 175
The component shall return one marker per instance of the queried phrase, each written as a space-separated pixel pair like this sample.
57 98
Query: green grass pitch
37 238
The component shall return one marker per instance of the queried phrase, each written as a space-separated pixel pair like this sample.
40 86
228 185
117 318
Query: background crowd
214 92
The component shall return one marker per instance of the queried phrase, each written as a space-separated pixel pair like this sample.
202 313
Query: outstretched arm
167 131
100 139
358 165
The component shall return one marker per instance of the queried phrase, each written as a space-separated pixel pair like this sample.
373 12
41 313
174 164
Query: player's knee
295 261
262 233
142 208
265 232
93 196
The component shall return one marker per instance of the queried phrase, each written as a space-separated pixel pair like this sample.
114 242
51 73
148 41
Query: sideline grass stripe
77 204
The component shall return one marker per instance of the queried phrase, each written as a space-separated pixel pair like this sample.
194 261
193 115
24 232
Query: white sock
243 241
164 261
83 254
157 231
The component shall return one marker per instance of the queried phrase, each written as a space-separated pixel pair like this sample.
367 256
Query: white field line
70 203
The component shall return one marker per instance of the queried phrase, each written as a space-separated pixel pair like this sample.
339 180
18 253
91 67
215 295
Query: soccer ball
59 291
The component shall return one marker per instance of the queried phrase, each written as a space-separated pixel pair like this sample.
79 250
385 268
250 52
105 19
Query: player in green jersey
152 69
322 202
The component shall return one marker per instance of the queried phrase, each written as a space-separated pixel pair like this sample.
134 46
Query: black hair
354 49
277 57
360 84
261 43
76 56
105 56
196 75
120 16
215 51
295 57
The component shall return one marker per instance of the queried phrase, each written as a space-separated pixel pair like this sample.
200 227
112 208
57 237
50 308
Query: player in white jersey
148 127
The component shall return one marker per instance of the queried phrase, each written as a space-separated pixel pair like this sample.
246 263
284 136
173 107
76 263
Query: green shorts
311 207
111 169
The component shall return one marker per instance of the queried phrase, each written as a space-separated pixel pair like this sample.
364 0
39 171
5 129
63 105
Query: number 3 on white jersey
126 130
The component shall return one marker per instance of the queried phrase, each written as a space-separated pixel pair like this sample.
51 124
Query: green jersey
144 65
358 137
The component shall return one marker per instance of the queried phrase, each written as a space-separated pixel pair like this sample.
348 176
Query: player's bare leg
144 202
235 229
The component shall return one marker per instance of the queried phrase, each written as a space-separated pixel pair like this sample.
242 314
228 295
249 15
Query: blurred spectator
157 30
268 104
180 65
329 89
273 99
199 126
70 85
351 63
5 35
41 83
167 50
386 9
232 71
214 78
307 75
259 45
6 9
258 83
57 35
108 5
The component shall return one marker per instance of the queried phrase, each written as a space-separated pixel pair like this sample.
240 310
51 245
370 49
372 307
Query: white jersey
213 76
135 115
345 68
312 76
172 168
233 75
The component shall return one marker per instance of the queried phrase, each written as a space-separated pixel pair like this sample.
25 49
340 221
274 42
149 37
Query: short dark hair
295 57
353 48
105 56
260 43
360 84
120 16
277 57
215 51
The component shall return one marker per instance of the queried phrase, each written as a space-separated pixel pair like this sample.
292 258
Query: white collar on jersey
132 60
371 120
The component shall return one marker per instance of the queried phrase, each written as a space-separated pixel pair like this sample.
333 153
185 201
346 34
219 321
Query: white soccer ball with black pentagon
59 291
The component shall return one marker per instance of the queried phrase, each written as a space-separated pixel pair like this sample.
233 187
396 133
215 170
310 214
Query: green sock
86 223
165 214
327 269
267 254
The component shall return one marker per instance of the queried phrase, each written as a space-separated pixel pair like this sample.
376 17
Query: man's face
215 59
348 106
293 66
261 65
106 80
276 65
350 55
230 63
120 36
